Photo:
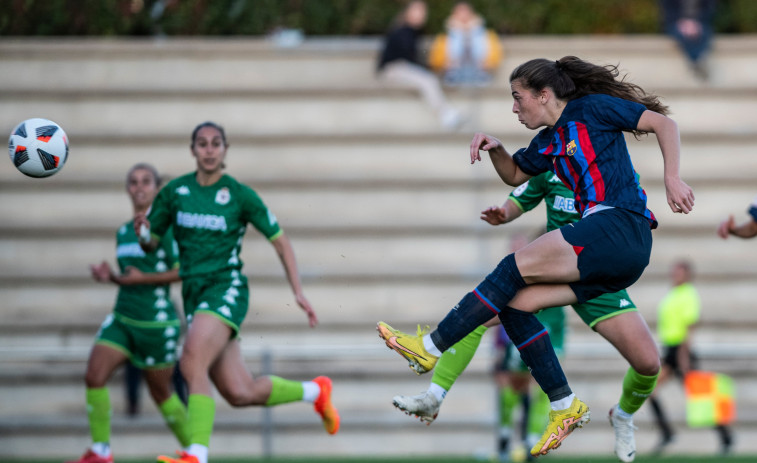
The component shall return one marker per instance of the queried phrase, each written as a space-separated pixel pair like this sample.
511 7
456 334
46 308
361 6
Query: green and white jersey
144 303
209 222
557 197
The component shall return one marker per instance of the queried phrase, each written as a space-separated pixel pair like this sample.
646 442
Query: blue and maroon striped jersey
587 150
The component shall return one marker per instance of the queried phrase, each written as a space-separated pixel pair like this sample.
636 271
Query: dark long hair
571 77
208 124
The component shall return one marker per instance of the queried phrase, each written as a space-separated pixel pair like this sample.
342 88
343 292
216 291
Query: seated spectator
468 53
689 22
399 64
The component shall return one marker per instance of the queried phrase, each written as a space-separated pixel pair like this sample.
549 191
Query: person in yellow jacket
677 314
468 53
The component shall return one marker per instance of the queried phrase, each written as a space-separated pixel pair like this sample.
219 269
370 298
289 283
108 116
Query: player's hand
305 305
680 195
101 272
140 219
494 215
131 276
482 141
725 227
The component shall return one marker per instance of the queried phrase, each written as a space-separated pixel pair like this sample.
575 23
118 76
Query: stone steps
425 159
184 64
382 207
365 112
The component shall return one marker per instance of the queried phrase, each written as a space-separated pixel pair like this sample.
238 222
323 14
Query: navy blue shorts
613 248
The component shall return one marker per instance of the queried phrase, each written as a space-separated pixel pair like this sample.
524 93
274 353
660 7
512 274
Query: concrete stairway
382 208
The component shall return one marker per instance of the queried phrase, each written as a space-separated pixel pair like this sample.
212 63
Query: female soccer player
209 212
143 328
560 207
585 111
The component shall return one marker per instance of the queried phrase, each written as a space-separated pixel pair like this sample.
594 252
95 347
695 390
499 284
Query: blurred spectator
689 22
399 63
468 53
677 314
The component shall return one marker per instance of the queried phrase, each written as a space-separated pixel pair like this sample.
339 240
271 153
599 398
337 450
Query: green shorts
604 307
224 295
147 344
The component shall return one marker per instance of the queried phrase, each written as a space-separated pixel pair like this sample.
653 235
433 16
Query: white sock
199 451
310 391
620 413
430 347
101 448
437 391
563 403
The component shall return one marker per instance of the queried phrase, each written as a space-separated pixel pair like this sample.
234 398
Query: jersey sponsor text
202 221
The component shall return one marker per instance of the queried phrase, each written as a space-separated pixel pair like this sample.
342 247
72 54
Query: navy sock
535 347
480 305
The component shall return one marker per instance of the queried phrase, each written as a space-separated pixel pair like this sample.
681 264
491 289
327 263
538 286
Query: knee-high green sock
508 400
636 389
454 360
538 412
284 391
175 414
98 412
201 411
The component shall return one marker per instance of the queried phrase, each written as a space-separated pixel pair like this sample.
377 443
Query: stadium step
382 207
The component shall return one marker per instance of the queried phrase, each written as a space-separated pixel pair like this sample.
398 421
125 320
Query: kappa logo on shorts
624 303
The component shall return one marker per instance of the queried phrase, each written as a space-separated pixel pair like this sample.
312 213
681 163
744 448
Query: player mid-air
584 111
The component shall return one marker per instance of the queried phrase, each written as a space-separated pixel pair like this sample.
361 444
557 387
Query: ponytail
571 77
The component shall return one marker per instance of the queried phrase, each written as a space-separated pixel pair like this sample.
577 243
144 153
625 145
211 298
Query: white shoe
425 406
625 443
452 120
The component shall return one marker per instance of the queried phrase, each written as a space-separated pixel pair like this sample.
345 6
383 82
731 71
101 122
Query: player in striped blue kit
585 111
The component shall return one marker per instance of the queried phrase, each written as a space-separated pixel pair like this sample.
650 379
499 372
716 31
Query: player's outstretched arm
133 276
501 215
286 254
503 163
680 196
744 230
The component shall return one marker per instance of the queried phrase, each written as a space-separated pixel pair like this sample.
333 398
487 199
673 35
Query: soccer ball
38 147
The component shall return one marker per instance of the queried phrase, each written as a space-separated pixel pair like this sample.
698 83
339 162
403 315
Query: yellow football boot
561 423
408 346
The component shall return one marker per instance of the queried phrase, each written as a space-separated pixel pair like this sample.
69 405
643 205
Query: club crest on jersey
223 196
519 191
571 148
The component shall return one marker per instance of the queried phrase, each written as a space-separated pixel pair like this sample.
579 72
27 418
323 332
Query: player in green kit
560 211
209 212
143 328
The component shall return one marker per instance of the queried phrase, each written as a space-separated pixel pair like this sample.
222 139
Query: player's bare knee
648 366
94 379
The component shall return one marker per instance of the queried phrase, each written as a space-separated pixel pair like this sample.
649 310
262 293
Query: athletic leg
103 361
160 384
240 389
549 259
450 366
630 335
206 338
